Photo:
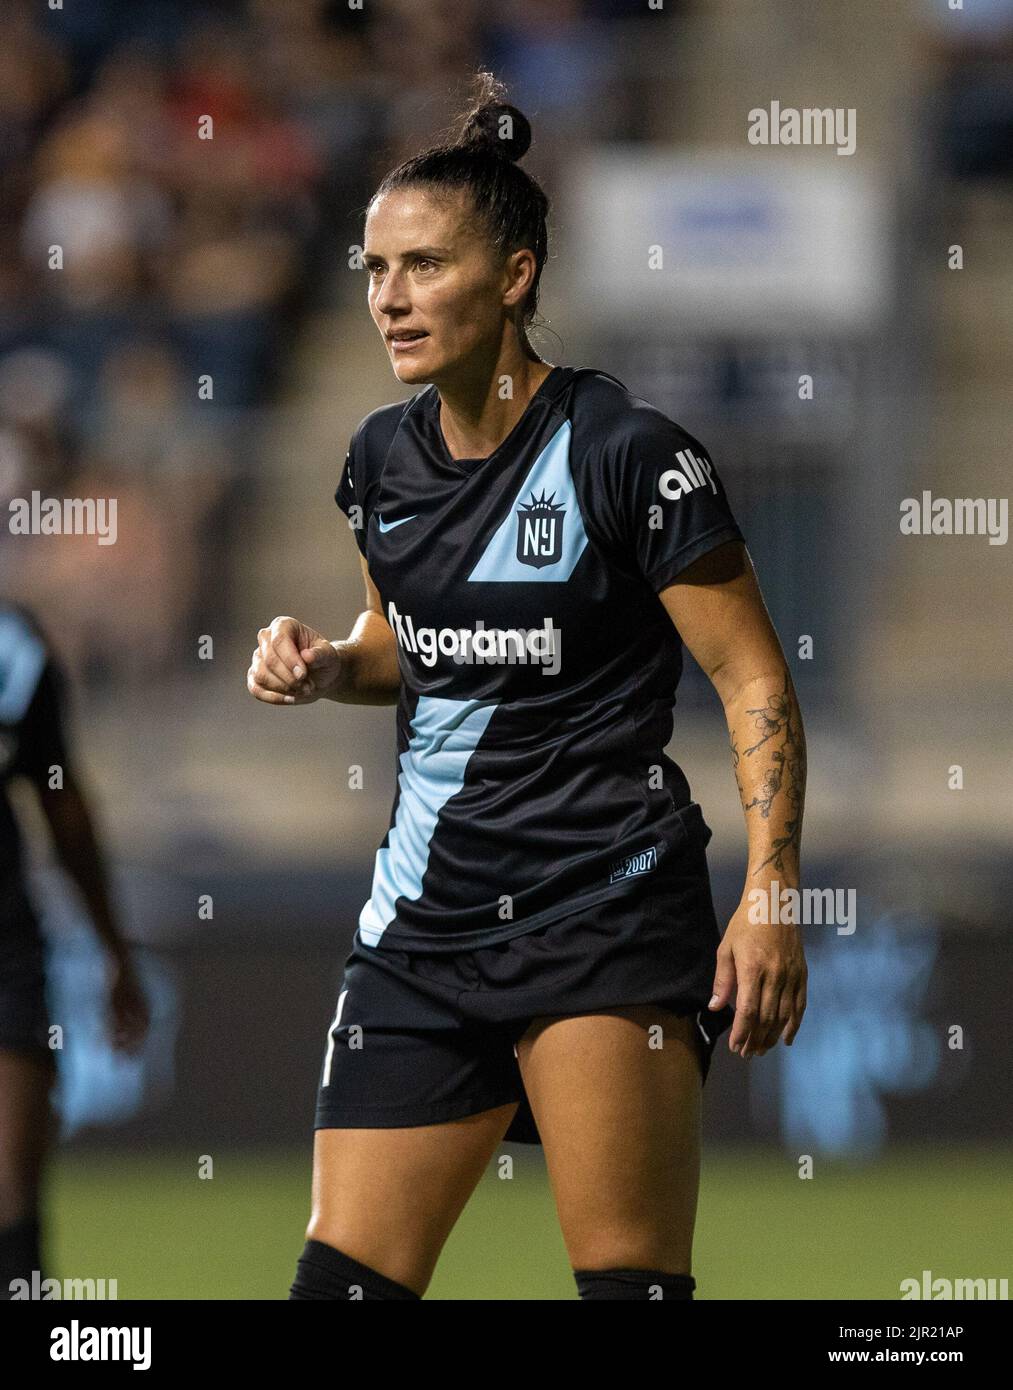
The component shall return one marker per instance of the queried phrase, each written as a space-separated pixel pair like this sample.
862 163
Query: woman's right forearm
369 668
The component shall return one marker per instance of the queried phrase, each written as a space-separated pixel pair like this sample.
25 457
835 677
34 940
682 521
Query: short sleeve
352 491
665 504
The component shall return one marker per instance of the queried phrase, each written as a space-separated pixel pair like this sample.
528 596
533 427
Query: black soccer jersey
31 730
538 665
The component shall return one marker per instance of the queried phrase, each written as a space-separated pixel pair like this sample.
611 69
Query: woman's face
431 272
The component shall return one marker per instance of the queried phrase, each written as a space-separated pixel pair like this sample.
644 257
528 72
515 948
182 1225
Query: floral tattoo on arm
778 724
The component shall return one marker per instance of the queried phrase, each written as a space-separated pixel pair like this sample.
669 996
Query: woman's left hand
763 966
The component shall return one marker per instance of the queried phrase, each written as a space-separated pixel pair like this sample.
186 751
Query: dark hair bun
500 128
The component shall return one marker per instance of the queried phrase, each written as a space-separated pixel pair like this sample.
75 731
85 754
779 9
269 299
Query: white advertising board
765 241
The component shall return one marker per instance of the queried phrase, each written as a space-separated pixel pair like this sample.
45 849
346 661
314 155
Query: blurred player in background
539 959
33 746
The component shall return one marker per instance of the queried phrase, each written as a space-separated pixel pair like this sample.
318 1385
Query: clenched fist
293 664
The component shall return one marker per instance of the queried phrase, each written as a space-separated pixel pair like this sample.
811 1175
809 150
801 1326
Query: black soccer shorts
419 1038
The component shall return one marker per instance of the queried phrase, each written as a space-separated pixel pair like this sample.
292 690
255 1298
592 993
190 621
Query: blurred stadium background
231 257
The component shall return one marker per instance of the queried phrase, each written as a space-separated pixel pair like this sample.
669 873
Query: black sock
19 1253
324 1272
650 1284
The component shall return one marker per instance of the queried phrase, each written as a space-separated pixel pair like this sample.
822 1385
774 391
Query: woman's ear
520 276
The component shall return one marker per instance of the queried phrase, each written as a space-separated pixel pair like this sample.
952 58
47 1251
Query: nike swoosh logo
389 525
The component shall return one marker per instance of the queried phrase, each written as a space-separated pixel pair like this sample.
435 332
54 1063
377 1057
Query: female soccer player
539 958
33 742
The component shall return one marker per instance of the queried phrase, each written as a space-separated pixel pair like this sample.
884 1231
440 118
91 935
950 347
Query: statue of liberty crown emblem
540 531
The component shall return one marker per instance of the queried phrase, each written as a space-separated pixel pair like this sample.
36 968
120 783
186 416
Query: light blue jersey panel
549 486
22 661
445 733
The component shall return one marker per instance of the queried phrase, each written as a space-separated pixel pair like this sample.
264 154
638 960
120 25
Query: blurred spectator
102 213
557 59
972 108
33 78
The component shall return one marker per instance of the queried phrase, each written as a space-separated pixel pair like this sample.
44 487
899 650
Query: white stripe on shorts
330 1038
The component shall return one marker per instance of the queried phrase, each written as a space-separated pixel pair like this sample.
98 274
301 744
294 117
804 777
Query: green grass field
854 1231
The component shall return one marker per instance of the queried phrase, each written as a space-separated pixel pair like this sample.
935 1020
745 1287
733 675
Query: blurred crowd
147 279
179 182
971 120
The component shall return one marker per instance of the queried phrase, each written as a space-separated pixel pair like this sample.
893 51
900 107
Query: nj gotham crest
540 531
